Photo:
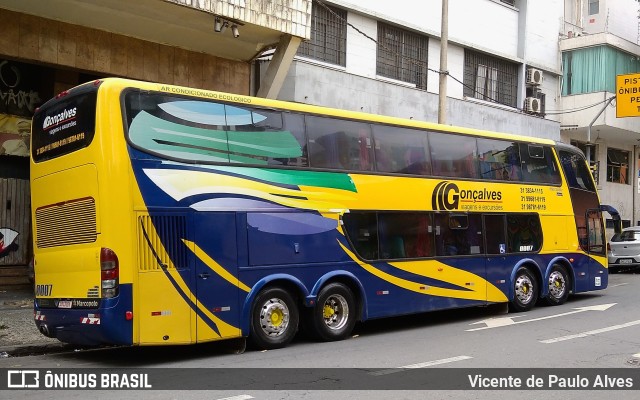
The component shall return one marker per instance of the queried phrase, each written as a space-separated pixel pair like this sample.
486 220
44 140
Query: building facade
599 41
49 46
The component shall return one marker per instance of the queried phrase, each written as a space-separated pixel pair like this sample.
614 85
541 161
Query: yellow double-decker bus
170 215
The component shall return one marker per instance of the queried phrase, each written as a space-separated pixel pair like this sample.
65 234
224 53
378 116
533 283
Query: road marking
619 284
240 397
419 365
506 321
590 333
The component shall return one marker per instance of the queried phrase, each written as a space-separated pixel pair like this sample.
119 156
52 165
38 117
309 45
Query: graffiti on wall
7 241
18 100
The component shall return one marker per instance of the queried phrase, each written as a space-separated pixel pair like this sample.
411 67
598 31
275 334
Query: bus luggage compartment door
165 277
218 289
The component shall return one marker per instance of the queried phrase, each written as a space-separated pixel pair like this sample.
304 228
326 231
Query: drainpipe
609 100
635 176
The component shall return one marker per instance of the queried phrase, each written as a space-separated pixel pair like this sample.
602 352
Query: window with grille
490 78
328 35
594 7
402 55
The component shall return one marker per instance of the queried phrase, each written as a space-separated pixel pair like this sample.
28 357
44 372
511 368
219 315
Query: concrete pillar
279 66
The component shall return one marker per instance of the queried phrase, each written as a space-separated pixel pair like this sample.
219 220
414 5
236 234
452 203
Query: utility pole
444 39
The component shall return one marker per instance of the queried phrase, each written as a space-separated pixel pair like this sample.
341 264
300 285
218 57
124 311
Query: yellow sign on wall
628 95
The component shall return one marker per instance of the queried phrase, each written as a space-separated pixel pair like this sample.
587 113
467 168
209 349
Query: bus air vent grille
160 242
67 223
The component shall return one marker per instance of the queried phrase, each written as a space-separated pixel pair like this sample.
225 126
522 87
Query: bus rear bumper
106 324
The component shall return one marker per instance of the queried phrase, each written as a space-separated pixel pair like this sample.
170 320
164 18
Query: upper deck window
196 130
64 124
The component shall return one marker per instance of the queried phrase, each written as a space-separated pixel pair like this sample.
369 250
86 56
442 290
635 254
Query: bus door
216 275
496 249
596 247
164 311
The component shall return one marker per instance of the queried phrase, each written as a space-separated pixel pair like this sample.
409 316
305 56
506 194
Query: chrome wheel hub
524 289
335 312
274 317
557 285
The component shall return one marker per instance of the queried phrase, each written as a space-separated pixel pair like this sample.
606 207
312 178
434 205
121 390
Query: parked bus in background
170 215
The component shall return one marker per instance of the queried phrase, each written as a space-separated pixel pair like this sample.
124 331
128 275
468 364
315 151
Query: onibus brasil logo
448 196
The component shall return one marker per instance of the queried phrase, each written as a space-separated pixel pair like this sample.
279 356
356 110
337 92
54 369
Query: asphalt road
599 331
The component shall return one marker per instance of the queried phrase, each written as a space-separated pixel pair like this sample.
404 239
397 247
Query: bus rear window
64 125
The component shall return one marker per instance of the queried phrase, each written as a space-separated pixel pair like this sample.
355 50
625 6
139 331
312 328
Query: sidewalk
18 332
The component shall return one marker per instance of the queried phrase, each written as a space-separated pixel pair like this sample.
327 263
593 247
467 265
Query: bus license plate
64 304
626 261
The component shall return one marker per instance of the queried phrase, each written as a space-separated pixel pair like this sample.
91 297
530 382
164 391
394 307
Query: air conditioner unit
532 105
534 76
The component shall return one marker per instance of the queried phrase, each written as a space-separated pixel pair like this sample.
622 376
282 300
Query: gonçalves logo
56 119
447 196
443 198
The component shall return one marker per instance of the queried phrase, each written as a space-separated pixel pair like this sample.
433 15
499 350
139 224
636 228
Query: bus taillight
110 271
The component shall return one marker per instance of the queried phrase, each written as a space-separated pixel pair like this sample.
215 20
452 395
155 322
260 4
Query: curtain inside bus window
405 235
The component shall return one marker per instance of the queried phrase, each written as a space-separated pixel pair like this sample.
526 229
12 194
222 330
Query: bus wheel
274 319
525 291
559 284
334 316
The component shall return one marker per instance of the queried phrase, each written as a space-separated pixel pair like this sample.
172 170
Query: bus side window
524 233
362 231
405 235
494 226
499 160
401 150
339 144
452 232
538 164
453 155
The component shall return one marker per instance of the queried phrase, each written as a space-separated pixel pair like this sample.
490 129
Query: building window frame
490 78
328 41
618 166
594 7
402 55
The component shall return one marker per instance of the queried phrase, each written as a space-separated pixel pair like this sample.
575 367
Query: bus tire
525 291
334 315
559 285
274 319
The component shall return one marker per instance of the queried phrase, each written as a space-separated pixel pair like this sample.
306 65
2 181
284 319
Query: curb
31 349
